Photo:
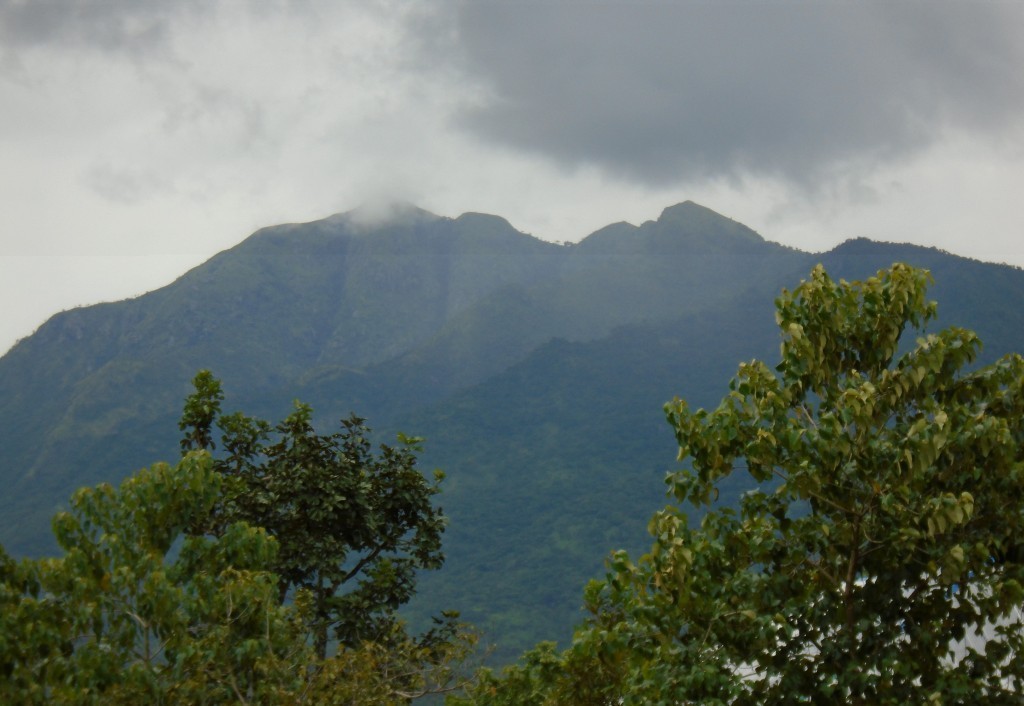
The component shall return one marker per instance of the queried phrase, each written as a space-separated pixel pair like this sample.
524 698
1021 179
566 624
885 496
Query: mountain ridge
535 370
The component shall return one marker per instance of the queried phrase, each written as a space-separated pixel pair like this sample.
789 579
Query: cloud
125 186
807 93
174 129
122 26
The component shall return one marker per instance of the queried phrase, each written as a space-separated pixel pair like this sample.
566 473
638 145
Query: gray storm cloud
663 92
660 93
107 25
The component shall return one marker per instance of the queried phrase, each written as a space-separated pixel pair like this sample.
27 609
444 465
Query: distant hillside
536 371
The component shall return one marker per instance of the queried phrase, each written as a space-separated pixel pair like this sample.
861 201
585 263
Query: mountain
536 372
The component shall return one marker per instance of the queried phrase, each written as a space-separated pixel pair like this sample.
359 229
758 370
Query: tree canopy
165 593
121 618
353 527
877 558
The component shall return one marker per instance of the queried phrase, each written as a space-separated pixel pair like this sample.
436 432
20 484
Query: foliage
353 527
138 610
883 538
134 611
396 669
545 677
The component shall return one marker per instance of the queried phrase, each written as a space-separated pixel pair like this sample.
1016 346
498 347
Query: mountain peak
385 212
687 209
691 218
485 221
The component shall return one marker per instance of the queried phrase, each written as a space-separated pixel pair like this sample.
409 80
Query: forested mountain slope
536 371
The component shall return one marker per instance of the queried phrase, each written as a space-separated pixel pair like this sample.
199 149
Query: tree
140 609
215 581
881 537
353 527
136 611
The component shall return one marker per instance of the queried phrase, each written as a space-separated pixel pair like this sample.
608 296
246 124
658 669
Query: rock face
536 372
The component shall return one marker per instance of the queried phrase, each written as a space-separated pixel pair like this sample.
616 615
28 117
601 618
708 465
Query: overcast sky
140 137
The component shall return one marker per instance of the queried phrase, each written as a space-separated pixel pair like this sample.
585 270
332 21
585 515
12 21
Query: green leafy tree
353 526
545 677
395 670
877 560
135 611
141 609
